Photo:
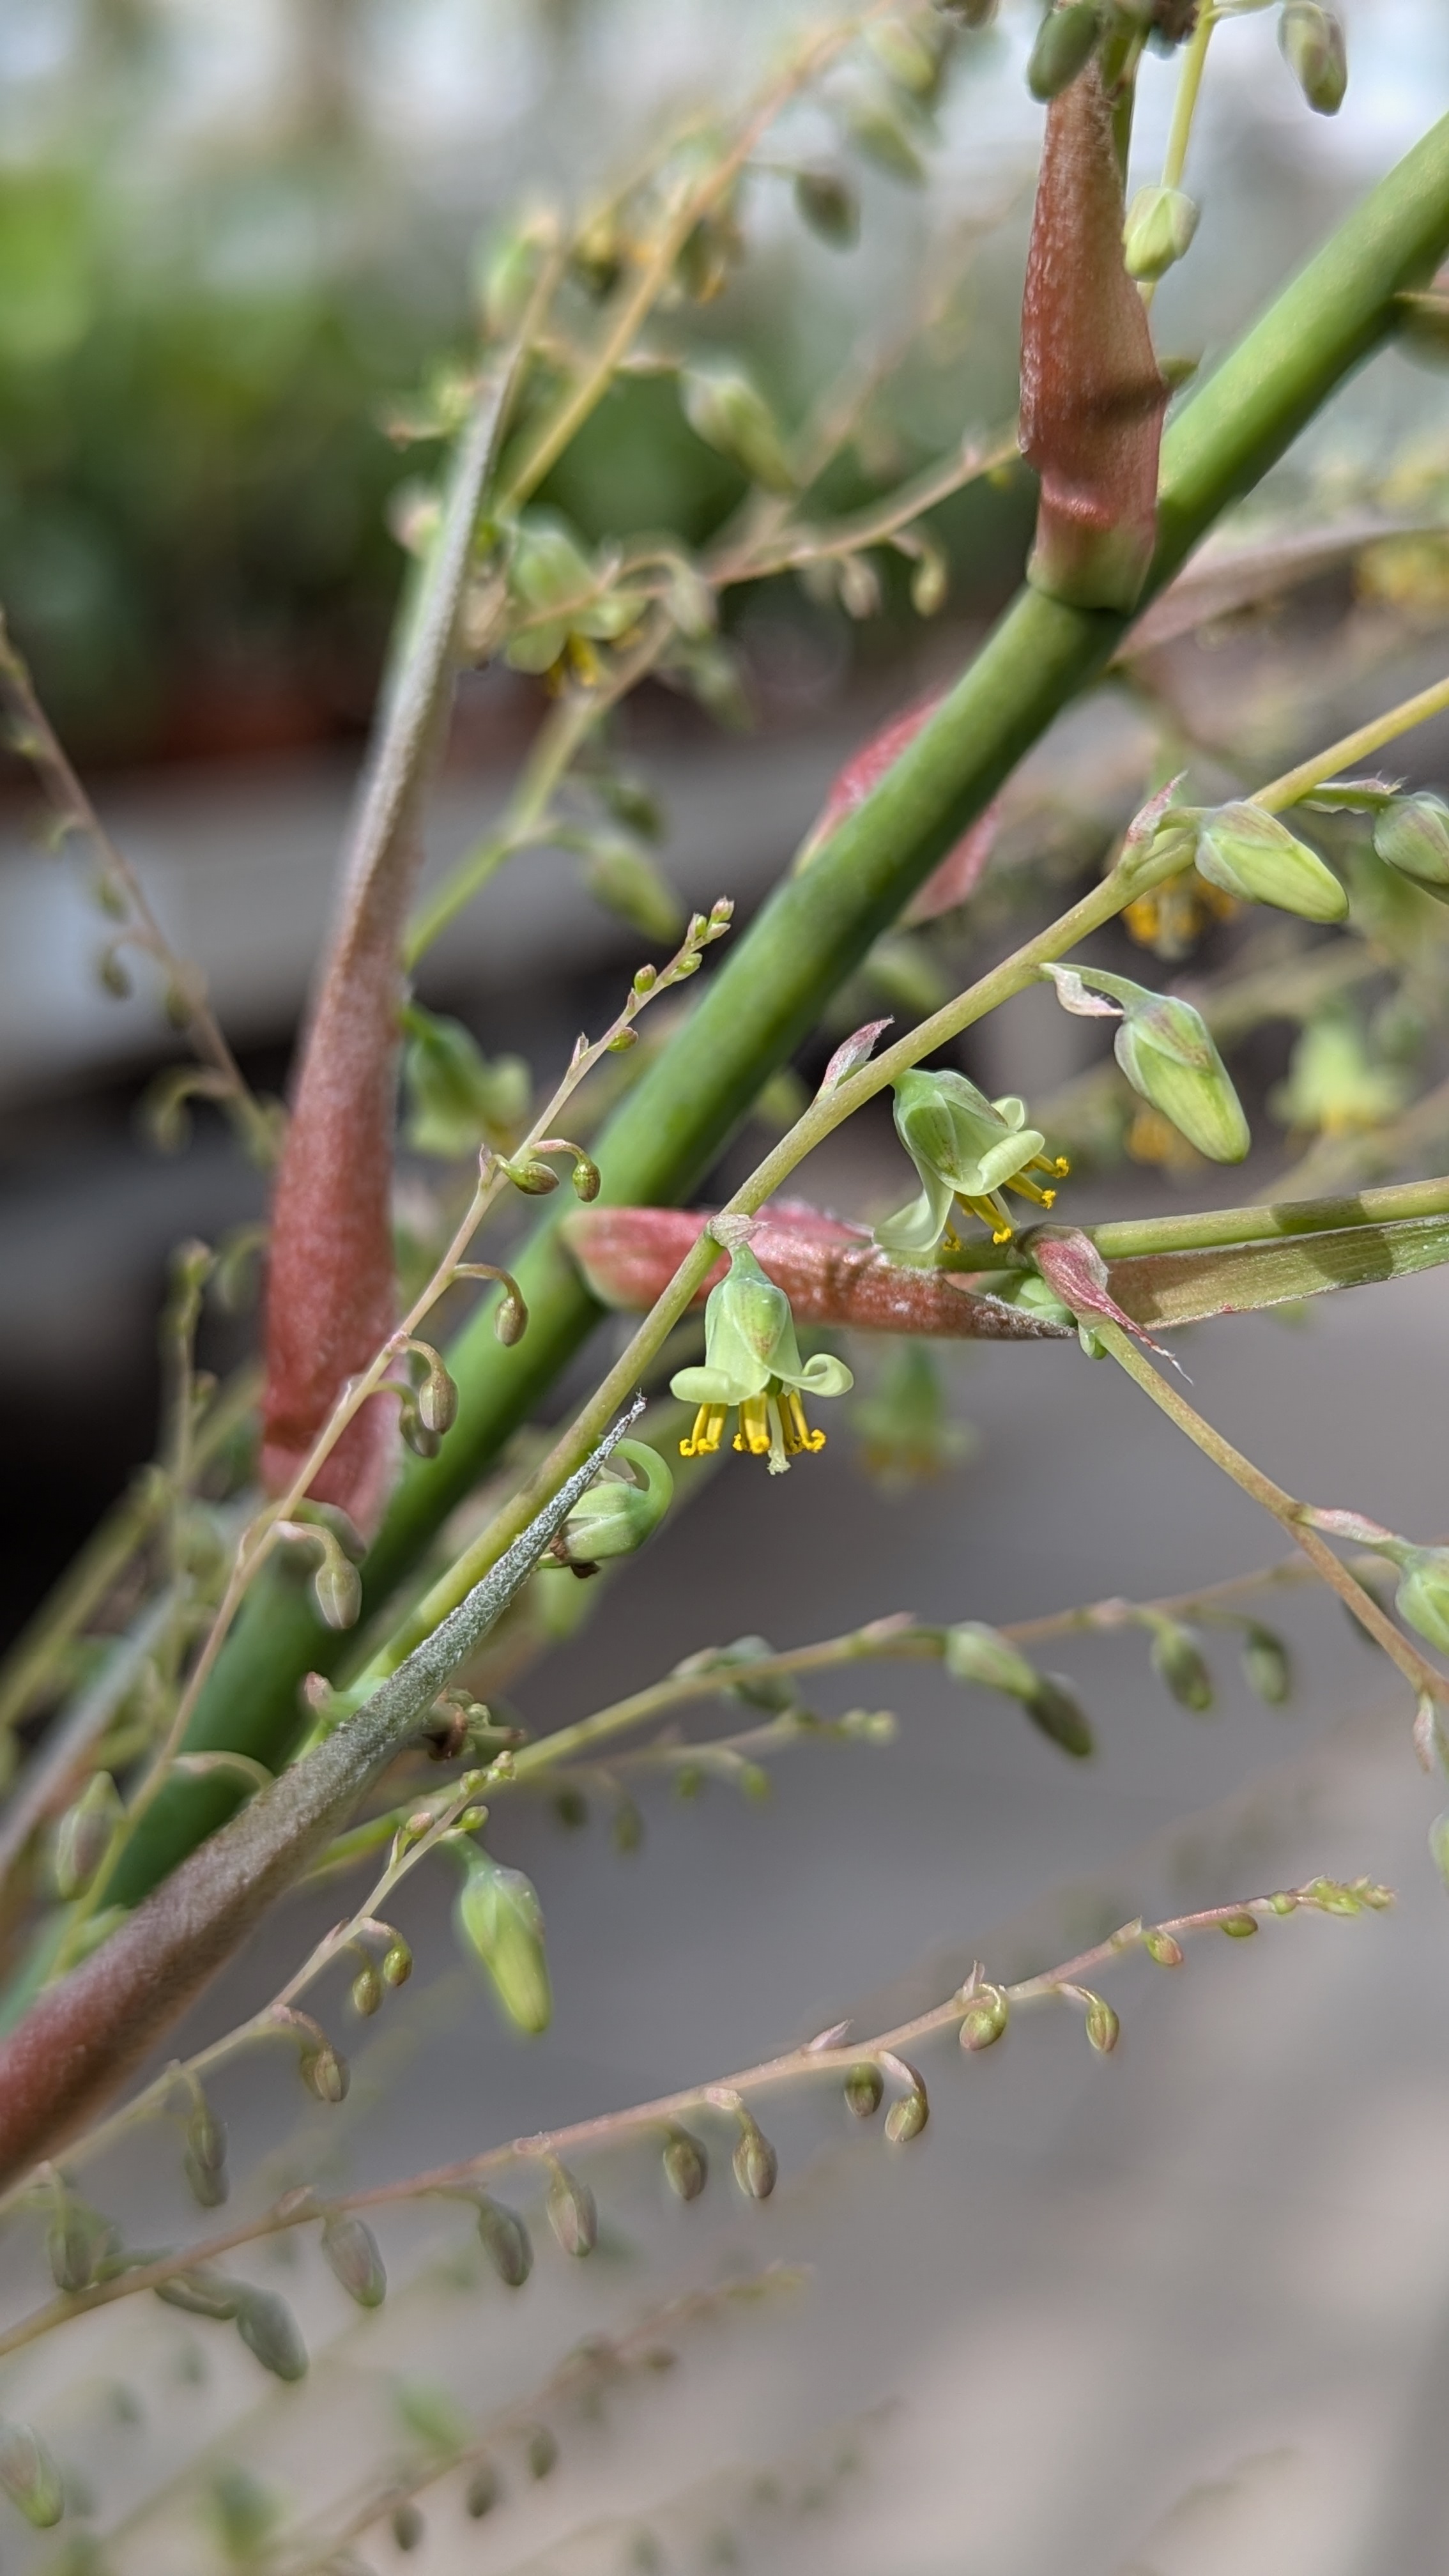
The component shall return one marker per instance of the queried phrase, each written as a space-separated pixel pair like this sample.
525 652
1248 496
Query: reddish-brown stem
1092 394
331 1293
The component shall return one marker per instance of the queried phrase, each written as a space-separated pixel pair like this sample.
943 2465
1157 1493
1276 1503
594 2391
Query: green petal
919 1227
824 1375
1008 1158
714 1386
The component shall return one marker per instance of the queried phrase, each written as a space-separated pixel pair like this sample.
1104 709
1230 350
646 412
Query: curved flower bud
967 1148
1166 1051
501 1921
752 1360
1412 835
977 1653
1422 1597
615 1516
1250 854
1158 232
1313 48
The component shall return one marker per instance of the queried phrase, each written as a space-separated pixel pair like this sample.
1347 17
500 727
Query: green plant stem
1358 745
816 926
1418 1672
832 2055
1189 90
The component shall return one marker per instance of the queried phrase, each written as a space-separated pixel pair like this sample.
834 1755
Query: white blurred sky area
476 97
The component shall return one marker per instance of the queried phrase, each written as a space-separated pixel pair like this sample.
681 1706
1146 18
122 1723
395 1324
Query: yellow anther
709 1422
754 1431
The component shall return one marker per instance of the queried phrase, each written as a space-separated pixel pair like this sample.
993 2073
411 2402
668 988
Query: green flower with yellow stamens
966 1148
752 1360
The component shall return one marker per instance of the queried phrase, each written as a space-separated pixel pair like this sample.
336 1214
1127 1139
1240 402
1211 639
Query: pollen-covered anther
704 1439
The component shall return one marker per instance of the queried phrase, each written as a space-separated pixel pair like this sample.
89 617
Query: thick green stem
816 927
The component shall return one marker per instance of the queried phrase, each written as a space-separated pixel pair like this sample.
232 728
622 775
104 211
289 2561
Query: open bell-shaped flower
966 1148
752 1360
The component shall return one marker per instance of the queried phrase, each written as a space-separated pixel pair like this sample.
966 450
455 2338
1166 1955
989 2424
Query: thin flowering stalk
34 737
1134 873
89 2028
832 2054
1423 1677
817 925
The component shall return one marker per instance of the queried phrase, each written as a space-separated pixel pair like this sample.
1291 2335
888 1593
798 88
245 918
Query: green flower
616 1515
752 1359
964 1147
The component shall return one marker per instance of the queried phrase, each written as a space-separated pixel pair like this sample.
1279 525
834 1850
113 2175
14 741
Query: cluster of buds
967 1150
752 1365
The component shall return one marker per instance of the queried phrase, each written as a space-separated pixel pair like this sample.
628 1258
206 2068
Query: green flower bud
976 1653
437 1399
455 1096
1422 1597
1103 2028
351 2252
268 2328
731 415
202 2293
505 2242
408 2526
686 2165
1313 48
864 2091
571 2212
985 2018
75 2241
1239 1927
29 2476
366 1992
1065 39
1161 1946
756 2165
1053 1708
204 2156
397 1965
1267 1665
1412 835
907 2117
625 880
84 1835
883 135
1178 1660
326 2073
1167 1053
481 2493
338 1587
501 1921
1158 232
541 2451
829 205
1251 854
615 1517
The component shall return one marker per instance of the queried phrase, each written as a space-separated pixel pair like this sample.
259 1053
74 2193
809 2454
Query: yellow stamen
1029 1190
993 1214
704 1439
754 1431
798 1434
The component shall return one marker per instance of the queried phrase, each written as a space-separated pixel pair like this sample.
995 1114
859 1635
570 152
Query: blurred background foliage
235 241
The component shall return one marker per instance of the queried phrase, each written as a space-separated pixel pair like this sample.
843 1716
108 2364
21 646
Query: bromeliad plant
290 1652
